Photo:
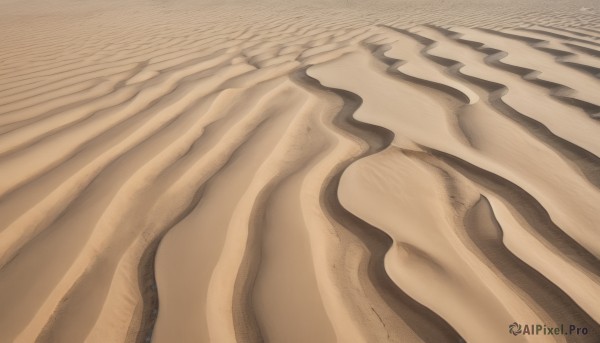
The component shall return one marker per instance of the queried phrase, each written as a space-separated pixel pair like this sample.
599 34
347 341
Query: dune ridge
326 171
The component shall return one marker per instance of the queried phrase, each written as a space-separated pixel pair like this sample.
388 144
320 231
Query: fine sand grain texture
316 171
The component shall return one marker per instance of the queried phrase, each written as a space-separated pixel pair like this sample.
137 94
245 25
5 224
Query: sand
324 171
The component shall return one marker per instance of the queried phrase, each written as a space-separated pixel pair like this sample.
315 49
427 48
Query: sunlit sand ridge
320 172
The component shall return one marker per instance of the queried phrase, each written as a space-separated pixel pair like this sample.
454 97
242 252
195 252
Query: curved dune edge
323 172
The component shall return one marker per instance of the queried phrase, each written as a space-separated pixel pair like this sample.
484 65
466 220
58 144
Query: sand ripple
385 172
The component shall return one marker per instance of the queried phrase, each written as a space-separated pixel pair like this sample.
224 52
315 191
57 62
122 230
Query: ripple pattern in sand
319 173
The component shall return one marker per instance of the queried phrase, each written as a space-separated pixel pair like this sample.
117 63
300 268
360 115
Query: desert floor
325 171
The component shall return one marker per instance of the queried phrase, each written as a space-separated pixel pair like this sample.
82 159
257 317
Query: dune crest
411 171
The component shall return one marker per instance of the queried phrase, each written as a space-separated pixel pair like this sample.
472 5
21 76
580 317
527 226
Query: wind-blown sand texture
409 171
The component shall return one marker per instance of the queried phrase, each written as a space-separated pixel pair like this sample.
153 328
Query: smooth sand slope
193 171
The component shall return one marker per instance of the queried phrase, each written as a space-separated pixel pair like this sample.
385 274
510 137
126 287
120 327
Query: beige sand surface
324 171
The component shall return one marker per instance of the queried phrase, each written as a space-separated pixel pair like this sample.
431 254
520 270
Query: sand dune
319 172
